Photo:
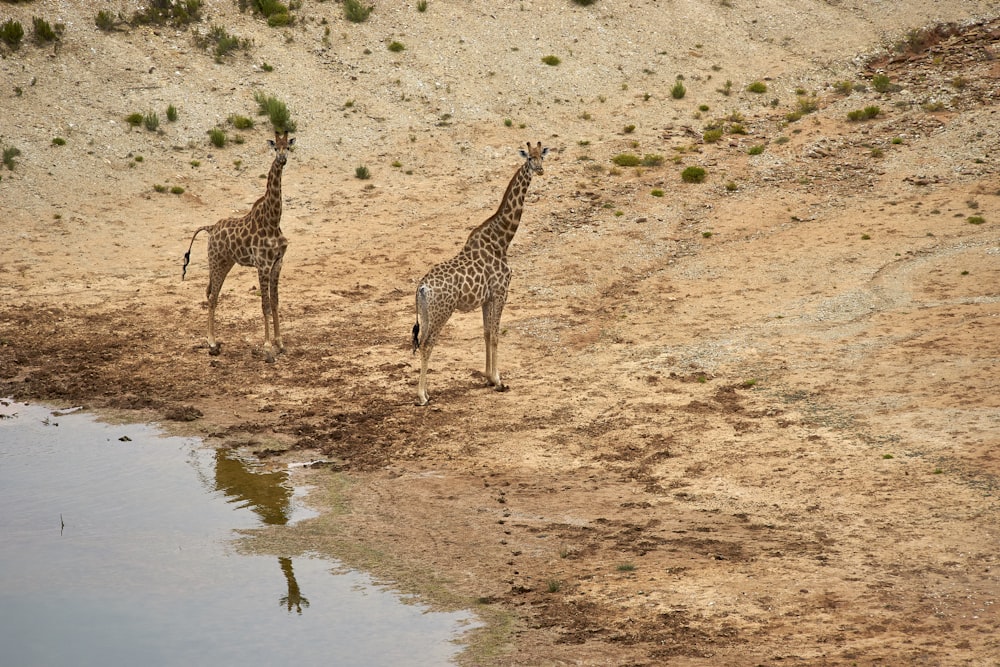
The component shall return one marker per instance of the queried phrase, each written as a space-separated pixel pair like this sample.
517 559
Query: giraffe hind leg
217 276
265 277
491 334
274 307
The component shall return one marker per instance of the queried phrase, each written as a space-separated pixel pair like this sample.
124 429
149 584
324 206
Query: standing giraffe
477 276
253 240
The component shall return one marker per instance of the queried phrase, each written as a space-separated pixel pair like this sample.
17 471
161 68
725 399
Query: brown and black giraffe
477 276
252 240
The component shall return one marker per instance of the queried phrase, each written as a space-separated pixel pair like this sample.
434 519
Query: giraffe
476 276
252 240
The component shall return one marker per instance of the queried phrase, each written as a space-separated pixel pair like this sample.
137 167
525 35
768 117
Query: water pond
116 549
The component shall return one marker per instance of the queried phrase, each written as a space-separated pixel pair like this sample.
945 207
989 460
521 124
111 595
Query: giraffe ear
545 151
291 142
270 142
523 153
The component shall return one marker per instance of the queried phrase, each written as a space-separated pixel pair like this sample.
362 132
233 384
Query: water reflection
269 496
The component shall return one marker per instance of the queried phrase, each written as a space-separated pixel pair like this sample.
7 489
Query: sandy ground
751 421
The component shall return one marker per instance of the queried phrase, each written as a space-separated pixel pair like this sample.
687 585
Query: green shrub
107 21
222 43
275 110
972 219
171 113
422 6
396 47
882 83
217 136
356 12
551 60
755 150
176 12
240 122
678 91
362 173
151 121
9 153
867 113
44 32
693 175
12 32
177 190
712 135
626 160
757 87
58 141
134 119
652 160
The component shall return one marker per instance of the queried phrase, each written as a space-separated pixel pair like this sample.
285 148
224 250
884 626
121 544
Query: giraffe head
281 143
534 156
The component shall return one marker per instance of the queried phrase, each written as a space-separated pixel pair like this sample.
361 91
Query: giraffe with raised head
254 239
476 276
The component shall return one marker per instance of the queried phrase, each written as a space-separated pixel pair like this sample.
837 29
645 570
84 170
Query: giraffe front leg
265 305
491 333
274 308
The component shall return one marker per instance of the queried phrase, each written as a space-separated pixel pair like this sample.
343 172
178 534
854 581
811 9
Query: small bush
356 12
652 160
58 141
107 21
159 188
177 190
44 32
882 83
172 113
275 110
12 32
396 47
755 150
678 91
657 192
867 113
757 87
9 153
240 122
217 136
362 173
176 12
422 6
151 121
551 60
134 119
693 175
626 160
843 87
972 219
222 43
711 136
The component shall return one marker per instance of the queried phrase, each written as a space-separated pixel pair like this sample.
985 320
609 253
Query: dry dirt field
751 421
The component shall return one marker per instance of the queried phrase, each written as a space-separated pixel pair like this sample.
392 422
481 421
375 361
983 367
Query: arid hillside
753 414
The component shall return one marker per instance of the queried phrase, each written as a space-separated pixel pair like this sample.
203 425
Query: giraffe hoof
215 350
501 387
422 400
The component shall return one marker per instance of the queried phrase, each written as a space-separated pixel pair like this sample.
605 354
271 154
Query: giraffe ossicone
478 276
255 240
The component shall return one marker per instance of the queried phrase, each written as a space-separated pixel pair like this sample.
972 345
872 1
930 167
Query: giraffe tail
422 318
187 255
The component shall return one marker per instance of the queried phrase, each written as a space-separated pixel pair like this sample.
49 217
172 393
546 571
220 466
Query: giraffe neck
498 230
268 207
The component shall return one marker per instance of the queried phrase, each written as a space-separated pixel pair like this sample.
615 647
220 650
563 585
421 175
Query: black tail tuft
187 260
416 336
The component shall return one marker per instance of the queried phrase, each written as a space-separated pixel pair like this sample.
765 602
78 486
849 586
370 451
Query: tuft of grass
58 141
883 84
652 160
554 585
755 150
731 186
712 135
107 21
222 43
396 47
134 119
177 190
552 61
362 173
867 113
44 31
757 87
240 122
151 121
217 136
175 12
678 91
975 219
626 567
693 175
159 188
276 110
172 113
9 153
356 12
422 6
12 32
626 160
657 192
